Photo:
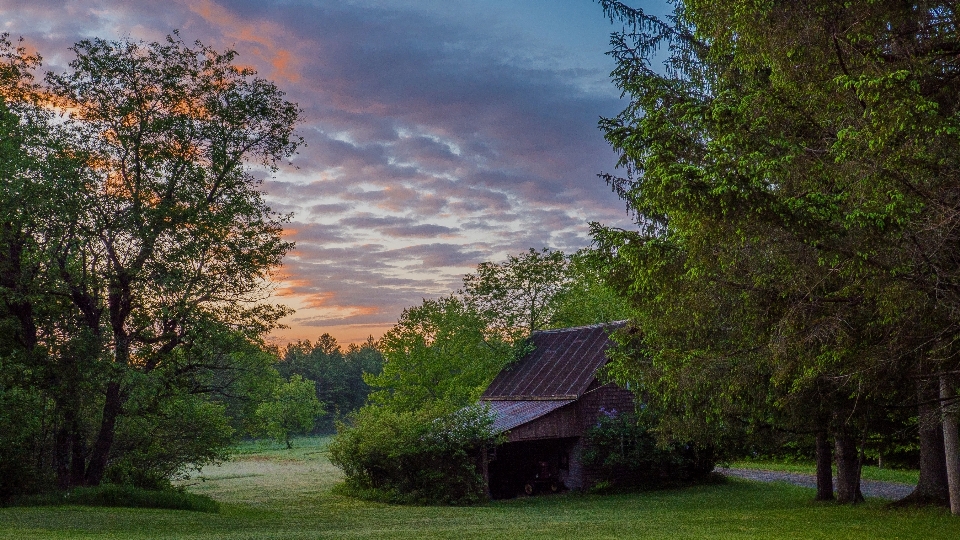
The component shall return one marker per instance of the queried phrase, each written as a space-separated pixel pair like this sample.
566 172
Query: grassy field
268 492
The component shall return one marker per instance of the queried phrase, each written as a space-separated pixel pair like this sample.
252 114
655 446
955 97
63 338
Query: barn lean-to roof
508 414
561 366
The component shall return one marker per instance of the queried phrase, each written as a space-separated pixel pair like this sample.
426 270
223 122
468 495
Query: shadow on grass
123 496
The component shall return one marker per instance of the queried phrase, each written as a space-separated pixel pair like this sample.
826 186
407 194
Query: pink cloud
426 152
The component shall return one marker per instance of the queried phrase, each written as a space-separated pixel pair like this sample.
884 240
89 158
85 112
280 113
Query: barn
542 404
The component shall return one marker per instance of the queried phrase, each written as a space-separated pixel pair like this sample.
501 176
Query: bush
624 453
427 456
20 430
124 496
153 447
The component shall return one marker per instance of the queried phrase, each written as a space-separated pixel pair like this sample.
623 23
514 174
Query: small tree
292 410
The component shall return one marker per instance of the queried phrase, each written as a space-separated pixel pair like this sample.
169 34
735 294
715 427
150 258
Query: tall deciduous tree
137 239
518 294
585 297
180 235
440 352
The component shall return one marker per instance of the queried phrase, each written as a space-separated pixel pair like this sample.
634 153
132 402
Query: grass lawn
268 492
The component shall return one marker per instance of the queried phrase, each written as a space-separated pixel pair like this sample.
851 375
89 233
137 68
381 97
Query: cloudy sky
439 133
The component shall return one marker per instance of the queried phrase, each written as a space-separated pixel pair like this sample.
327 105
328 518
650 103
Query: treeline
337 375
135 256
794 172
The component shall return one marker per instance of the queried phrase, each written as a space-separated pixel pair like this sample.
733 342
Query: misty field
268 492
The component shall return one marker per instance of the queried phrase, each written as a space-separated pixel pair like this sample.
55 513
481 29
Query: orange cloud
257 33
345 333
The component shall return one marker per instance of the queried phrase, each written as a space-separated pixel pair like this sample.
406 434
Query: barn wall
610 397
563 422
569 423
597 400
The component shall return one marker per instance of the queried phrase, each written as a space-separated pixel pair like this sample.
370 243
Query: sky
439 133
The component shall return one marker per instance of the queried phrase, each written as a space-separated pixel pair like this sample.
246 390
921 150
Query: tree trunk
951 442
78 458
824 467
848 470
61 455
108 424
931 487
485 470
119 308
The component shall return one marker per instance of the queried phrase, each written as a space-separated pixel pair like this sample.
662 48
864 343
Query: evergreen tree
792 170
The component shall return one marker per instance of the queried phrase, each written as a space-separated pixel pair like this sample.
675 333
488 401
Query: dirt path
871 488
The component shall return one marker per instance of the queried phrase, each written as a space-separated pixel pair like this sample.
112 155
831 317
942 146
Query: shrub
426 456
20 430
155 446
624 453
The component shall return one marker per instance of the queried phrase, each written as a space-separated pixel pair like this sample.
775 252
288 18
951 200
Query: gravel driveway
871 488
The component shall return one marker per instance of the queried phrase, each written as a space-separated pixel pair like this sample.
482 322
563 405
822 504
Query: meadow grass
269 492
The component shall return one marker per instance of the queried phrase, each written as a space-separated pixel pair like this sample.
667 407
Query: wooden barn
543 403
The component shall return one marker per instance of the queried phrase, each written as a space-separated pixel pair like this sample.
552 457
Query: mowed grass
268 492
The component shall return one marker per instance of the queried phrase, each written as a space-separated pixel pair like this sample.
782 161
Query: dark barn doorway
530 467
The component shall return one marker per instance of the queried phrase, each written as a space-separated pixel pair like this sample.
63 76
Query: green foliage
21 426
587 298
784 167
157 444
135 253
516 296
538 290
292 409
424 456
442 351
623 449
124 496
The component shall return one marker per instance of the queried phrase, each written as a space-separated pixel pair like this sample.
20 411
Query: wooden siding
608 397
563 422
572 420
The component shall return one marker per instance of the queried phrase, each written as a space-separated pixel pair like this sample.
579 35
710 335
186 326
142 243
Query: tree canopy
791 167
136 247
337 374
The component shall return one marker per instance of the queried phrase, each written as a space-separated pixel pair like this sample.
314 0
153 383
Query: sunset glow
439 134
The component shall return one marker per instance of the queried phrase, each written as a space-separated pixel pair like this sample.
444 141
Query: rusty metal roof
561 366
508 414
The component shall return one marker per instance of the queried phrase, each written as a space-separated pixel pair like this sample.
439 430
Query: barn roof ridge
611 324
